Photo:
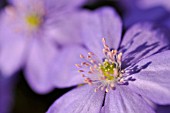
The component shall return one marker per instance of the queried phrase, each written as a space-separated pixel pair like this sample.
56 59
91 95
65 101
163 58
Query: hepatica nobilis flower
119 76
29 33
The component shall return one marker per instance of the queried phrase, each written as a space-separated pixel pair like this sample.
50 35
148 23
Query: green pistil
33 20
108 70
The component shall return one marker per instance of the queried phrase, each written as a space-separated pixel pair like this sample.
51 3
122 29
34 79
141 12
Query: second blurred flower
30 32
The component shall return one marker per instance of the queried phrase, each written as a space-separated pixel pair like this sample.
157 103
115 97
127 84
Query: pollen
107 69
33 20
104 74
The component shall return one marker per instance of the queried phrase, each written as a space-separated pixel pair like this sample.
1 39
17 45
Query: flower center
107 69
33 20
35 14
104 74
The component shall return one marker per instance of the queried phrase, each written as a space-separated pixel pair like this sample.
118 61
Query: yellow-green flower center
107 69
33 20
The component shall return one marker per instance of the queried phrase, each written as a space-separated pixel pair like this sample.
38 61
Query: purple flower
30 31
125 76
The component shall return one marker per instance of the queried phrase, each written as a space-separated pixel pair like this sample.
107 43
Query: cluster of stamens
104 74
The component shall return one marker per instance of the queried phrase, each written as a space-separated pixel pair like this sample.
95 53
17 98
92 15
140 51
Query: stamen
102 88
83 75
104 74
93 61
78 65
89 57
80 71
114 52
84 64
81 56
107 90
91 69
90 53
119 57
112 85
90 72
88 80
95 90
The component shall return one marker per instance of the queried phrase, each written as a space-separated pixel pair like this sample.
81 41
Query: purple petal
63 5
59 5
80 100
13 46
41 55
64 73
124 100
167 22
12 56
163 109
18 1
6 94
153 81
102 23
141 41
62 30
135 14
154 3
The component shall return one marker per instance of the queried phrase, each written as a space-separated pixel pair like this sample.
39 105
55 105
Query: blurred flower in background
123 75
155 3
165 4
140 10
30 34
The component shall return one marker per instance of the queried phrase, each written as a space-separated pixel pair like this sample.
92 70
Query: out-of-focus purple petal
124 100
102 23
12 56
12 45
64 5
6 94
59 4
18 1
80 100
65 31
153 79
163 109
154 3
141 41
167 22
64 73
134 14
41 54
